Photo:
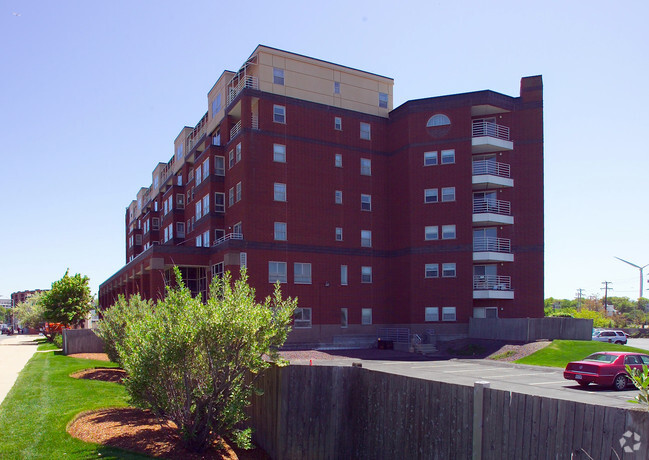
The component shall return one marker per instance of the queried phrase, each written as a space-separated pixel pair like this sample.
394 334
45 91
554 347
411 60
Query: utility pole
606 288
580 291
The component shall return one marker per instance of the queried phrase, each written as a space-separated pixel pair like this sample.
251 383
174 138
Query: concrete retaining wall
81 341
530 329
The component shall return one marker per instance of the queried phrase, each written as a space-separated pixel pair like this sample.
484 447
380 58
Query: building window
155 223
448 314
198 174
238 192
383 100
366 167
448 157
180 201
366 238
216 105
277 272
448 270
278 76
431 314
448 232
238 152
432 271
366 316
218 234
206 204
338 196
336 87
231 197
343 275
280 231
206 169
217 270
338 162
431 232
366 132
219 166
180 229
179 179
199 241
198 209
343 317
338 123
237 228
339 234
366 202
430 158
219 202
448 194
438 120
431 195
301 273
366 274
279 153
279 192
302 318
206 238
230 159
279 114
138 240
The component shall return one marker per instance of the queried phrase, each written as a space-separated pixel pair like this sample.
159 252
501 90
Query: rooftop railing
229 236
249 81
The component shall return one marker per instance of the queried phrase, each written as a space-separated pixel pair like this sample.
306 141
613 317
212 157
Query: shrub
58 340
196 363
640 379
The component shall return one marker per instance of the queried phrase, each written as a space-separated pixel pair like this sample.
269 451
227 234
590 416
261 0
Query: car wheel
620 382
582 383
619 342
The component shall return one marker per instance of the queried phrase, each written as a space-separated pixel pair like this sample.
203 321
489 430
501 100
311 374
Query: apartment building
421 216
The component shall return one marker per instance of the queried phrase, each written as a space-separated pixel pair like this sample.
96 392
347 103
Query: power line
606 288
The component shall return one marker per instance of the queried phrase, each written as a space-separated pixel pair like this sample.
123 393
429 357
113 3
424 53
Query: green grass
561 352
35 413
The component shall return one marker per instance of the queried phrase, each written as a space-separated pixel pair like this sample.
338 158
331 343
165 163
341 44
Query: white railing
492 244
229 236
255 121
236 129
493 206
490 167
492 282
489 128
249 81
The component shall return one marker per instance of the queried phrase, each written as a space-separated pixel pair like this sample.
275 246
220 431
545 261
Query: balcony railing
491 167
255 121
491 129
229 236
492 244
492 282
236 129
249 81
492 206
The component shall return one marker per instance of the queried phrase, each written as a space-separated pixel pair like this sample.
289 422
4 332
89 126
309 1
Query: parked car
618 337
605 368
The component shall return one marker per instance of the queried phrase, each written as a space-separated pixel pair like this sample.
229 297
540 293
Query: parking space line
498 369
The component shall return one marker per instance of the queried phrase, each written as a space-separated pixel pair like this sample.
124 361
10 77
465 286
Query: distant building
18 297
422 216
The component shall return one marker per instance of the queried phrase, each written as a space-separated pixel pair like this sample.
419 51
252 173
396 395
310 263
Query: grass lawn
35 413
561 352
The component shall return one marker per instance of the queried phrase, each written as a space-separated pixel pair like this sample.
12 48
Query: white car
610 336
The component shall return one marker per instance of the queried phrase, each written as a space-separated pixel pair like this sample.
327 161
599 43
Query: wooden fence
329 412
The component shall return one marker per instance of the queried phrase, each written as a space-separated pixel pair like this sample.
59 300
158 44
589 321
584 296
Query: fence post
478 405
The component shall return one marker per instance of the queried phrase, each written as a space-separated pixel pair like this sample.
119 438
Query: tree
31 312
197 363
69 301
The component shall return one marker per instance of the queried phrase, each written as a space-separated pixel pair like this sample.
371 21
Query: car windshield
601 357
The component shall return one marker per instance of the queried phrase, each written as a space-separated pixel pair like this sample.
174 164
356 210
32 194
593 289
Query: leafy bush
196 363
641 381
58 340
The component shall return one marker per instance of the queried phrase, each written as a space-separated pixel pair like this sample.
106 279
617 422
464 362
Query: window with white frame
230 159
155 205
343 275
279 192
199 175
366 131
448 270
155 223
448 194
179 179
219 166
431 195
366 167
438 120
165 208
279 153
216 105
206 204
198 209
336 87
366 238
383 100
430 158
366 274
238 153
218 270
339 234
237 228
338 123
279 114
219 202
448 314
448 156
180 229
280 231
448 232
338 196
366 202
276 272
278 76
206 238
431 314
199 241
344 317
231 196
366 316
338 161
206 168
431 271
180 201
238 196
431 232
301 273
302 318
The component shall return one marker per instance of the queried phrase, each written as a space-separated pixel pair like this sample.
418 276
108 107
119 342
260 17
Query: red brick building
422 216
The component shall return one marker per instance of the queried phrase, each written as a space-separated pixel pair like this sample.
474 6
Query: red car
605 368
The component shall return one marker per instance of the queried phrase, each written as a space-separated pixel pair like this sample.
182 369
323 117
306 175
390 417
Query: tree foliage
196 363
69 301
31 312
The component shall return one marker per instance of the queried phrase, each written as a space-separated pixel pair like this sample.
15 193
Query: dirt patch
511 352
105 374
140 431
96 356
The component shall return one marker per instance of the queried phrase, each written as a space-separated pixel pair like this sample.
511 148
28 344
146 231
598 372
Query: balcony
488 136
491 249
492 212
248 81
489 174
236 129
492 287
228 237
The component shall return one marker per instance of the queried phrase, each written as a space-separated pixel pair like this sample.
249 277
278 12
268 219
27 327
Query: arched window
438 120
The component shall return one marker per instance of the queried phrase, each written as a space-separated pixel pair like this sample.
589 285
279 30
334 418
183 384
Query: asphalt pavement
15 351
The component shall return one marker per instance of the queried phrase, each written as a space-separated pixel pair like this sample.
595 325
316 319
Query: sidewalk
15 351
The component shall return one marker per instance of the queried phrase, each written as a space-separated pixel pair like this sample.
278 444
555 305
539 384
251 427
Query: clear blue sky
93 94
